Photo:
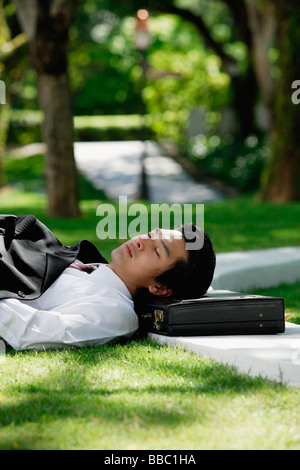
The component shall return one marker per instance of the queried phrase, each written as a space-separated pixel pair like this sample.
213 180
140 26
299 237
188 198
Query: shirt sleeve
86 322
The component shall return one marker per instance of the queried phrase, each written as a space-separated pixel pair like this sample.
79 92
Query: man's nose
140 244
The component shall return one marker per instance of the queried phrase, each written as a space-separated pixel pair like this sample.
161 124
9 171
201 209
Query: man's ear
161 291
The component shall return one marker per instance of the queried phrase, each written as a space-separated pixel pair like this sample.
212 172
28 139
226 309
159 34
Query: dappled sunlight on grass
148 396
19 202
245 224
287 233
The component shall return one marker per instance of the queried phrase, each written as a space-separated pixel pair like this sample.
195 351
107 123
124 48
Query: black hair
188 279
191 279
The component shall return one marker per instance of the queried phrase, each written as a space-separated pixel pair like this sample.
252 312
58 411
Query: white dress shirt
79 309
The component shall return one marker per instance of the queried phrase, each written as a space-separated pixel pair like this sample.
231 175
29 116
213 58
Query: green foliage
106 73
27 174
237 162
4 34
193 78
106 79
111 128
102 55
25 127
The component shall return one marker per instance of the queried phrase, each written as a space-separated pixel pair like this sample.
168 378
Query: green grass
235 224
291 295
246 224
25 127
140 395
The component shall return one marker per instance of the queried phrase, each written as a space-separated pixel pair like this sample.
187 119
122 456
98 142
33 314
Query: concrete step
274 357
247 270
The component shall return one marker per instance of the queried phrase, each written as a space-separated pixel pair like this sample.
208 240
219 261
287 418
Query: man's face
139 261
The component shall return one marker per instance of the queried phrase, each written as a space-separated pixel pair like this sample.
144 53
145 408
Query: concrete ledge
274 357
250 270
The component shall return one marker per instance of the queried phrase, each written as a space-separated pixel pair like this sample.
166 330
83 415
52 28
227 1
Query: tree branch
198 22
239 12
9 48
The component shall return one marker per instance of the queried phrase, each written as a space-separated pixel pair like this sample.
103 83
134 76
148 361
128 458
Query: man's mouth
128 248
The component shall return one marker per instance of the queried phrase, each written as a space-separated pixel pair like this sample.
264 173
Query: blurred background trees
281 177
218 87
12 52
46 25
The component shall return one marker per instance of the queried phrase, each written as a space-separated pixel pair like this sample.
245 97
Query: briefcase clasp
158 319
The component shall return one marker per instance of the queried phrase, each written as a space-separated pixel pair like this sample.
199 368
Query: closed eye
149 236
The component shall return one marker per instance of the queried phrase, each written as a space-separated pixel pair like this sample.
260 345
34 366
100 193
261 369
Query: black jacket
32 258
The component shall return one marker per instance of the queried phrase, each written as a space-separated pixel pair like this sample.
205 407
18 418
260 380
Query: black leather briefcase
216 313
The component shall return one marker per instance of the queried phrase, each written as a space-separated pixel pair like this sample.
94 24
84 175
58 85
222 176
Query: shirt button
21 294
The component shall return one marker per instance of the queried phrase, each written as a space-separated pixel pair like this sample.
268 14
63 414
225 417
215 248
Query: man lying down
54 296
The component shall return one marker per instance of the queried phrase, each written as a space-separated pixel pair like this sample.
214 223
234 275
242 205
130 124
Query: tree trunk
262 26
47 23
280 182
60 169
244 98
4 124
8 50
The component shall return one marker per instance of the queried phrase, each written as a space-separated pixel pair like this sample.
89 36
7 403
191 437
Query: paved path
115 167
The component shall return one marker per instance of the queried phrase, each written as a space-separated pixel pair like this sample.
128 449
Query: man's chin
118 254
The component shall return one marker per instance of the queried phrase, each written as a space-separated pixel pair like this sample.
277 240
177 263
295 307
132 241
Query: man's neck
132 289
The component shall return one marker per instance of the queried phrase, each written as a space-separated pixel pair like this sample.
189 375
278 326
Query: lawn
140 395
